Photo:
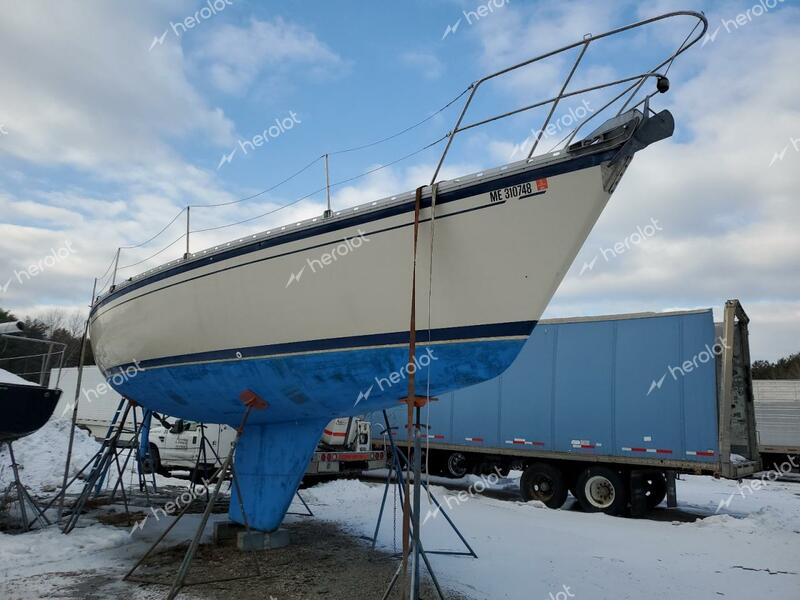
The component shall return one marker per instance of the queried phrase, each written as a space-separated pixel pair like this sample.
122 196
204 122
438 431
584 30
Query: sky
114 117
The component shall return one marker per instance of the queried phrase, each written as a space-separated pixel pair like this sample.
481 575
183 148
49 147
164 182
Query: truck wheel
655 488
457 465
152 464
600 489
544 483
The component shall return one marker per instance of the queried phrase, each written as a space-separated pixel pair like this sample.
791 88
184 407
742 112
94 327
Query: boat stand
101 463
23 496
308 512
252 402
398 460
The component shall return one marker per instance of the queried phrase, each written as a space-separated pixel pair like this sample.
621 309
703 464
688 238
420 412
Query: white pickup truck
175 444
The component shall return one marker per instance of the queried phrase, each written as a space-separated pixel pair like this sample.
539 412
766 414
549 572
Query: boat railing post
188 222
540 132
453 133
116 265
328 212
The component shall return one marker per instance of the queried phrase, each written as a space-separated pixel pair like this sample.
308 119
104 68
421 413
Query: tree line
27 359
783 368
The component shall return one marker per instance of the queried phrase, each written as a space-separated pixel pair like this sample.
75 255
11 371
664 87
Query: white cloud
88 94
235 55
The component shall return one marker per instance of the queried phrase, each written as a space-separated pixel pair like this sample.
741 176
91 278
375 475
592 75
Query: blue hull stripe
445 334
575 164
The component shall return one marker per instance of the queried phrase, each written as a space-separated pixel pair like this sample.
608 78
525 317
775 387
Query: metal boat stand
23 496
398 460
252 402
101 463
308 512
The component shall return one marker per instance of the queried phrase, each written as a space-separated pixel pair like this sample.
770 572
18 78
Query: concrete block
225 531
251 541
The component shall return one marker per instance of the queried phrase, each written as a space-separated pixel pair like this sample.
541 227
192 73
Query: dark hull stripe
445 334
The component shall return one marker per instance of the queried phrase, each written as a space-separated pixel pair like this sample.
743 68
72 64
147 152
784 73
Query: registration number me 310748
523 190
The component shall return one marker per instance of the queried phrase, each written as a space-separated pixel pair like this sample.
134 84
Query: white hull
494 262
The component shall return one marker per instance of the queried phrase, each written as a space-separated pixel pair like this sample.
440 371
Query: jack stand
305 514
398 460
417 550
252 402
101 463
23 496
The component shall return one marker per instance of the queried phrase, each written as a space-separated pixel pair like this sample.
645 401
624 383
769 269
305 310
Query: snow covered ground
749 549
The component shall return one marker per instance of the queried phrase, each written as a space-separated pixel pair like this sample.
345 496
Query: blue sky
111 123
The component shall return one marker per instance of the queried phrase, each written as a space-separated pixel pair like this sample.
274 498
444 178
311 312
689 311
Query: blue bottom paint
315 386
270 462
304 392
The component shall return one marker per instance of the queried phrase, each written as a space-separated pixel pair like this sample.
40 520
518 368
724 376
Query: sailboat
313 316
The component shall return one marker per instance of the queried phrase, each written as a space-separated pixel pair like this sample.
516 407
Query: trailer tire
655 488
602 489
456 465
544 483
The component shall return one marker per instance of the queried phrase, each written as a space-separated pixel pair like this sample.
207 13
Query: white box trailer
346 445
777 405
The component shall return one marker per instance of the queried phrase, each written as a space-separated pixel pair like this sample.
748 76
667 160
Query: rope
183 235
322 189
434 193
175 218
262 192
406 130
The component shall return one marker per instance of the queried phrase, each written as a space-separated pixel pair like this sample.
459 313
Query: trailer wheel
544 483
601 489
456 466
655 488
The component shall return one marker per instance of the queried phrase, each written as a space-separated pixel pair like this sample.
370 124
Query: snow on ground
744 544
8 377
527 552
41 456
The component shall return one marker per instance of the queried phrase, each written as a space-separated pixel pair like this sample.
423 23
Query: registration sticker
523 190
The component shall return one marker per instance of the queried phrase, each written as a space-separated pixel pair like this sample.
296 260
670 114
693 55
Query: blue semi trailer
610 408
